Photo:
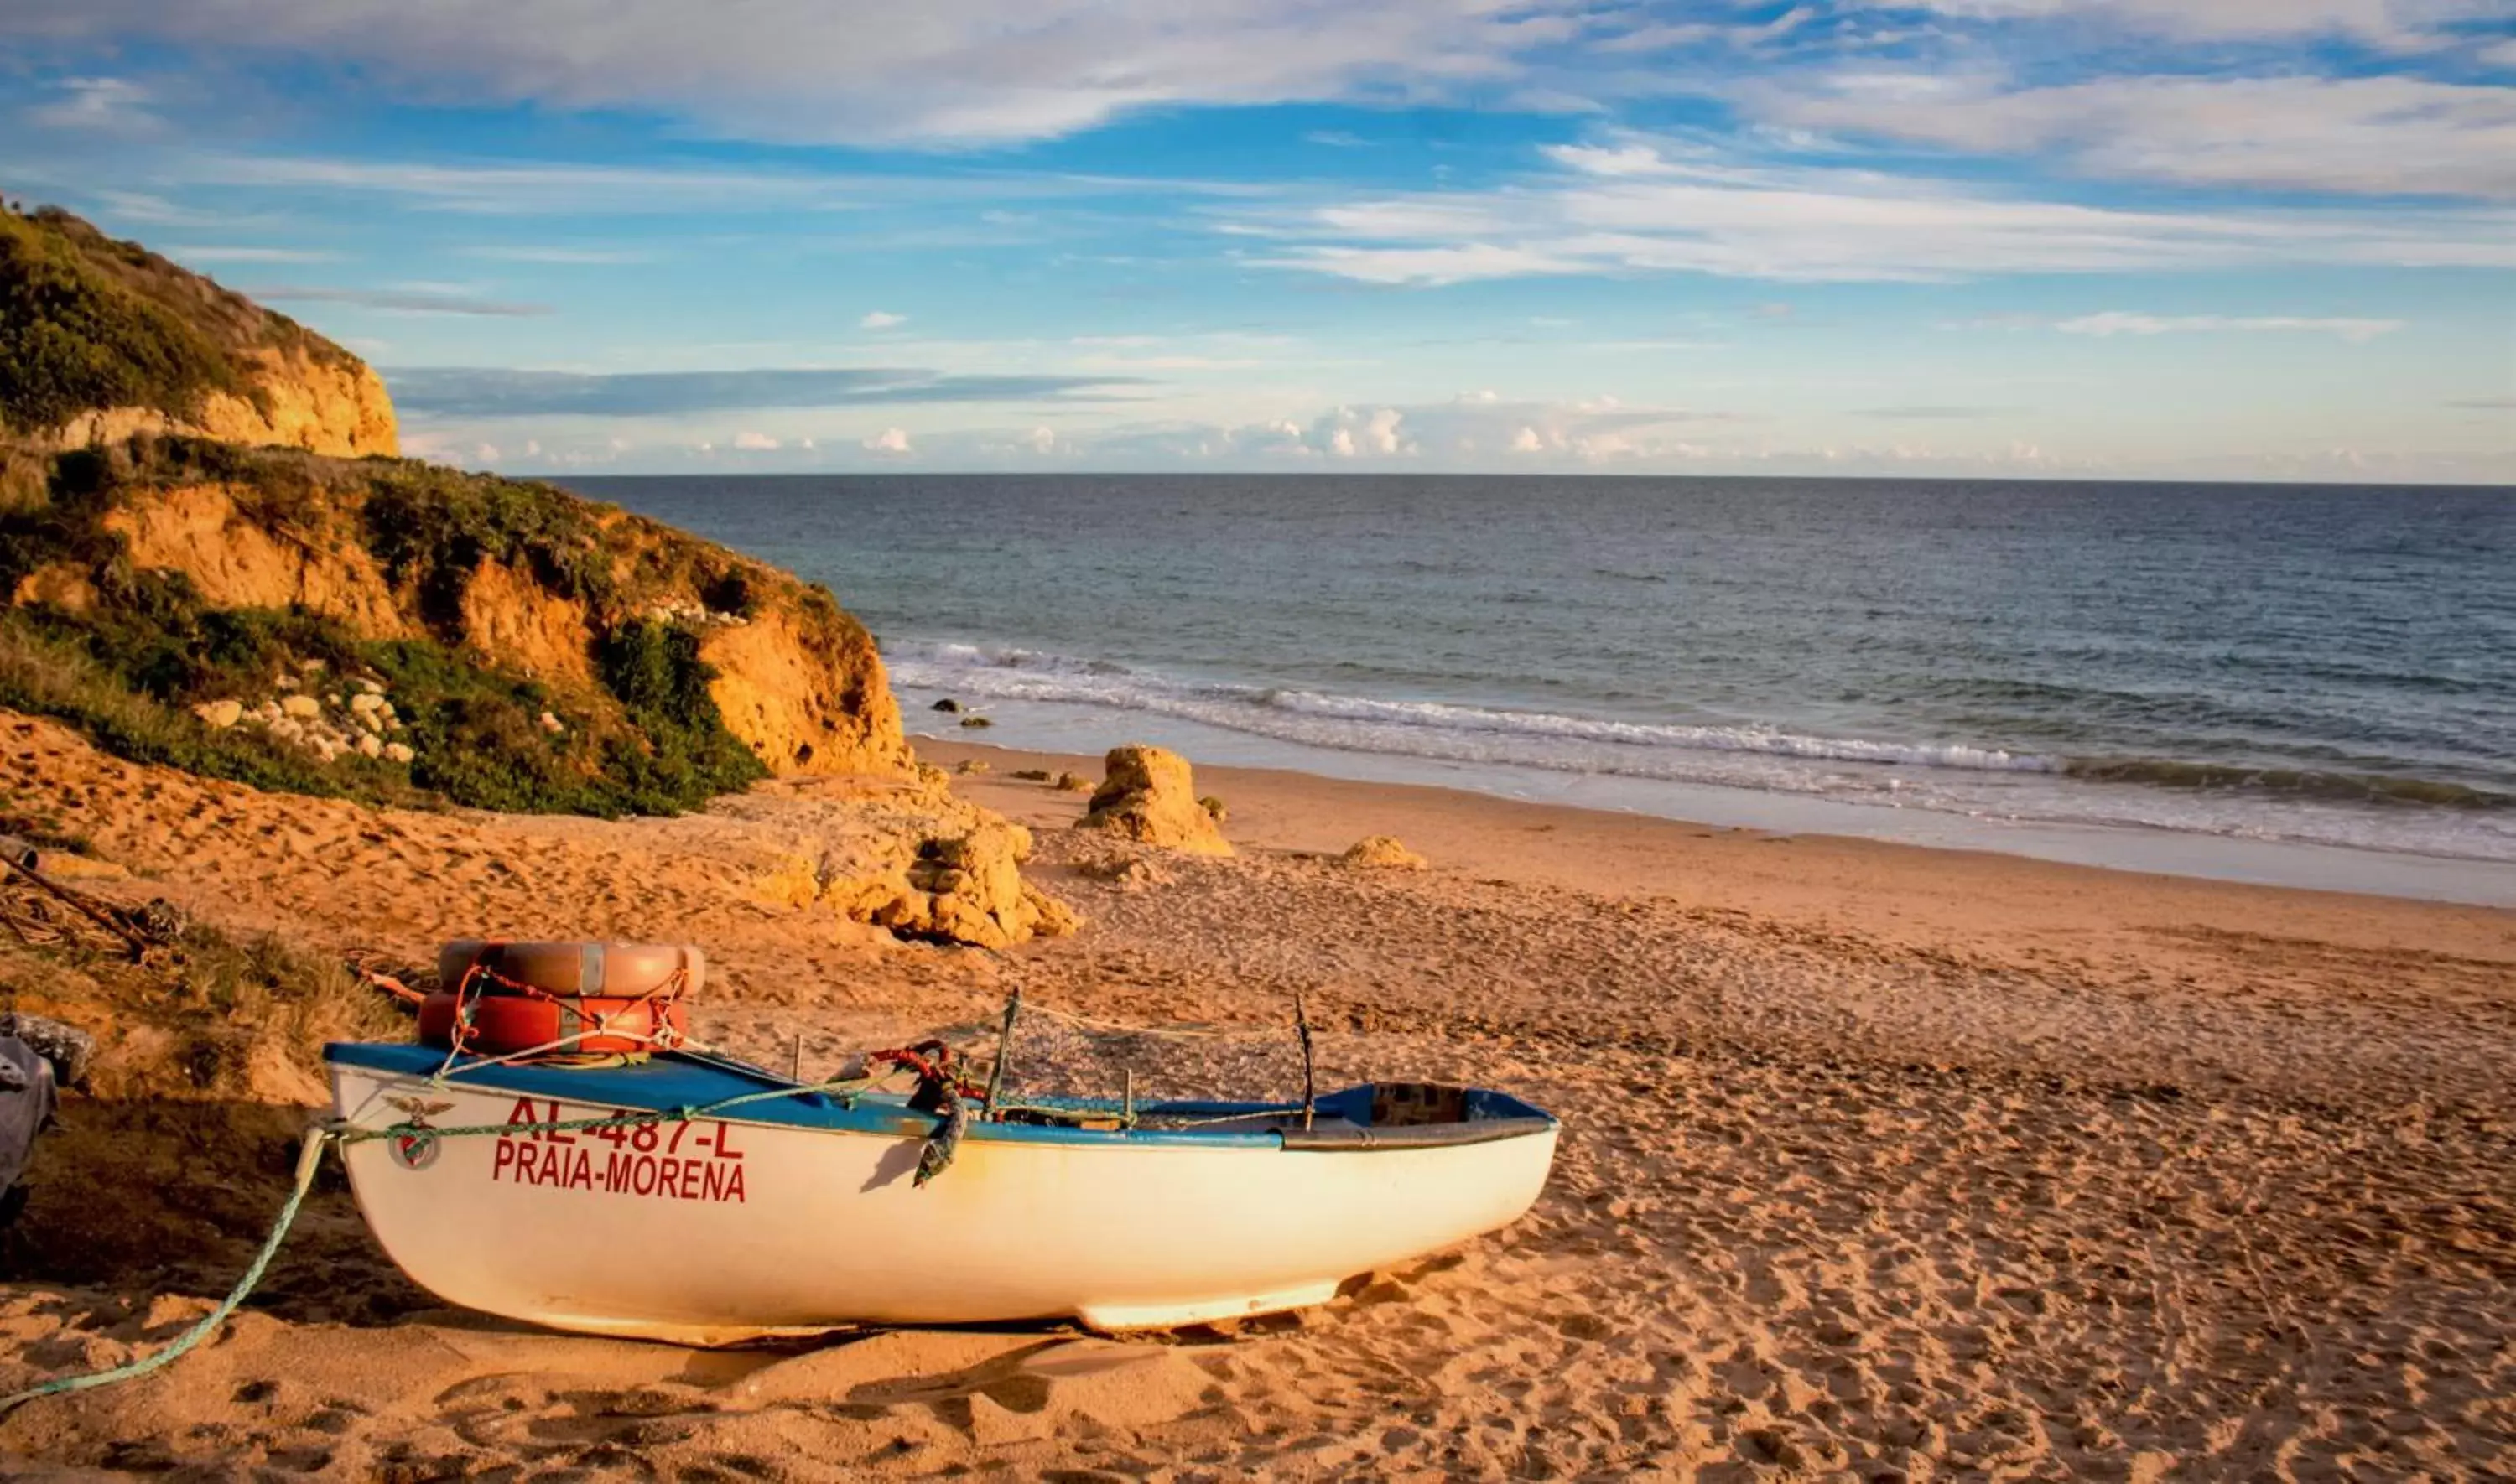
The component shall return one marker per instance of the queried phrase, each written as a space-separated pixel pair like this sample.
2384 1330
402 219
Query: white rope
1165 1032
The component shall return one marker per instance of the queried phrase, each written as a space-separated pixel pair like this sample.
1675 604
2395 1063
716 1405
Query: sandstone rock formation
961 884
295 401
1148 795
110 347
235 559
796 679
1124 871
969 890
805 689
1382 852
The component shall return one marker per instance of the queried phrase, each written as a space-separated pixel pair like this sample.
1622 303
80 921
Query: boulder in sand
1147 795
1128 873
1382 852
967 889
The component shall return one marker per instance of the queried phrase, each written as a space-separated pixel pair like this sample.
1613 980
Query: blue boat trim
668 1083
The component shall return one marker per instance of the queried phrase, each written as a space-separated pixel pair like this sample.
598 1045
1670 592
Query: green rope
309 1156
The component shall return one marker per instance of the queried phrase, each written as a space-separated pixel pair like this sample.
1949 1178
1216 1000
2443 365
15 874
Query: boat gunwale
887 1114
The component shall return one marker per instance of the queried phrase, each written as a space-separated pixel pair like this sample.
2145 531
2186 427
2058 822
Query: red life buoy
498 999
622 970
566 1025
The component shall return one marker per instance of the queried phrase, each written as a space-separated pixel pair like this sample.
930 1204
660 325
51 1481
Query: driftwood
103 914
40 910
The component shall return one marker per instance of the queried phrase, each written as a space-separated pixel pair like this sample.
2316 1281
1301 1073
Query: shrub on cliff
54 675
434 527
128 662
70 340
655 670
89 322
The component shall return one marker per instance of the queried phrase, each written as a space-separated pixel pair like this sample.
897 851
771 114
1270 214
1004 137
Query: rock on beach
1148 795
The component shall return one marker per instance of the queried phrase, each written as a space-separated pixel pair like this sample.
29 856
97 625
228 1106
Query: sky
2228 239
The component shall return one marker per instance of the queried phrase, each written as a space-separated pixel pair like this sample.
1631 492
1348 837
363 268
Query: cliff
200 513
102 338
536 650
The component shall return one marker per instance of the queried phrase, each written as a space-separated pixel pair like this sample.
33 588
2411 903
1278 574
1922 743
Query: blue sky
2211 238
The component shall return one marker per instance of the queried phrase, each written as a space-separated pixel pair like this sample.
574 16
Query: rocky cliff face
158 379
528 579
102 338
294 402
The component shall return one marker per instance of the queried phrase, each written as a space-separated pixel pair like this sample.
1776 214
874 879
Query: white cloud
590 256
2126 322
2377 136
100 105
1042 439
1470 432
153 211
854 71
880 320
1649 206
2390 21
891 441
754 442
536 187
400 299
247 255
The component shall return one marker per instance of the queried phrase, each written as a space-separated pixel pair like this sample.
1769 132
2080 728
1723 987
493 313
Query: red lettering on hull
710 1171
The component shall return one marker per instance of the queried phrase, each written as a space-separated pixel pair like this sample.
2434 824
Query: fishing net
1058 1062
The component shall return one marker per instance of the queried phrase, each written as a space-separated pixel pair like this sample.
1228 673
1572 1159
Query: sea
2306 685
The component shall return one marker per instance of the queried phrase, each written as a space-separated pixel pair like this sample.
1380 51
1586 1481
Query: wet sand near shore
1879 1163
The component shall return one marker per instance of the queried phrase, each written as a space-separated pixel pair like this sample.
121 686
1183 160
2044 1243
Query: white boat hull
713 1231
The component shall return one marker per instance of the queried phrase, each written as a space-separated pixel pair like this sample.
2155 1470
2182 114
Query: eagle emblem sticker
412 1144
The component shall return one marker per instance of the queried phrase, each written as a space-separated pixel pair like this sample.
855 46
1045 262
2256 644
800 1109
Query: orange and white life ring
501 999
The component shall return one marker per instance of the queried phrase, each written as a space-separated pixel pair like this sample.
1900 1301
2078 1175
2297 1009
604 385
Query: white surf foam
1423 729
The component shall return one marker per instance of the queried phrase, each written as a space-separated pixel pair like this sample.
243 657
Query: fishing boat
696 1200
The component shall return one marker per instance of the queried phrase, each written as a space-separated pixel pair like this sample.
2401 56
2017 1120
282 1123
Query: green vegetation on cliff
363 625
88 323
129 655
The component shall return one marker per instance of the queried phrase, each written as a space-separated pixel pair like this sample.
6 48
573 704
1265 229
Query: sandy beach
1879 1163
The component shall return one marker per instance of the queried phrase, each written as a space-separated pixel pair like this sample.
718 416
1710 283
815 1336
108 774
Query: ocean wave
920 655
1425 729
1764 740
1742 755
2292 782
